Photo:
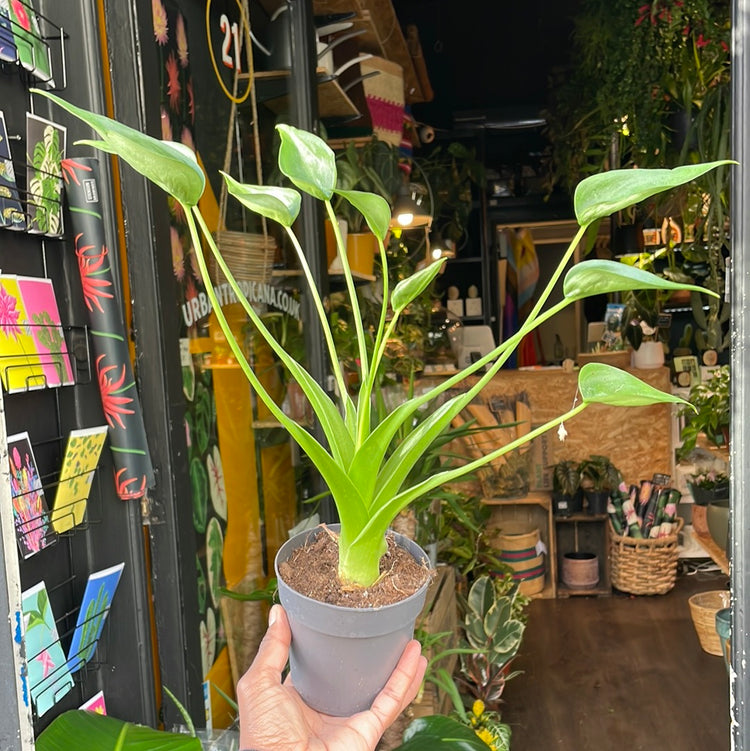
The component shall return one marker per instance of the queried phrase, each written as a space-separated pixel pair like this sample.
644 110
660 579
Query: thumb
273 651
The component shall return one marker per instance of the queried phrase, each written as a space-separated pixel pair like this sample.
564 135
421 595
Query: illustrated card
7 41
95 704
48 676
30 512
43 317
97 600
20 366
11 210
81 458
33 52
45 151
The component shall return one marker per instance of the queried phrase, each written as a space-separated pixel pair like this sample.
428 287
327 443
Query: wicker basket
519 548
703 609
644 567
249 256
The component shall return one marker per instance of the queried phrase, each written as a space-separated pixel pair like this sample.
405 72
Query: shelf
703 536
383 37
273 90
582 532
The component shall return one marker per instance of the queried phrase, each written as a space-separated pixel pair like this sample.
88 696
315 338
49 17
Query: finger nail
272 615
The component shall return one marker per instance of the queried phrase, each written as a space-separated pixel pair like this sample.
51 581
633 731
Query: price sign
230 32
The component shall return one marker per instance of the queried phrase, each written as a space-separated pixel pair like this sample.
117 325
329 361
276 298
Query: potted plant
599 477
708 486
709 414
365 481
567 496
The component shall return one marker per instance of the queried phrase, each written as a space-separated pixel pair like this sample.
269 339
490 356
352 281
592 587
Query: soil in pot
312 570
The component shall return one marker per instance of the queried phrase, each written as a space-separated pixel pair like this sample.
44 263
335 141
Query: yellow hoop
245 27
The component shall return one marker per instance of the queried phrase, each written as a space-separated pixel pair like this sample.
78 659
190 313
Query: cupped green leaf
307 161
173 167
598 277
440 733
89 731
410 288
278 204
603 384
601 195
374 209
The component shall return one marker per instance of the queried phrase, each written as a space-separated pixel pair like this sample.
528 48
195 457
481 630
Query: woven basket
519 551
703 609
644 567
249 256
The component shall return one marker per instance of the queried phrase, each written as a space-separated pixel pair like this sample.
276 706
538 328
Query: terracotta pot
341 657
580 570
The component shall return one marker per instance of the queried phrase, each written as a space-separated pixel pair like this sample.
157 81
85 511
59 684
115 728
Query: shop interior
151 489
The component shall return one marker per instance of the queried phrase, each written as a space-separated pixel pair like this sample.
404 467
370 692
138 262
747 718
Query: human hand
273 716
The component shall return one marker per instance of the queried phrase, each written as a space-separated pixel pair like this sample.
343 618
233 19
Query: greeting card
43 317
33 52
97 599
79 463
95 704
11 211
45 150
48 676
7 43
20 367
30 512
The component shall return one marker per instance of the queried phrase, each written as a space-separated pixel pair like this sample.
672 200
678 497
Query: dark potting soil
312 570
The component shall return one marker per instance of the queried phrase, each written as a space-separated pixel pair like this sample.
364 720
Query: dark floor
619 673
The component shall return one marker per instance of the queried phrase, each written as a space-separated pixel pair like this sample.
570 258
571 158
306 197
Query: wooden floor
618 673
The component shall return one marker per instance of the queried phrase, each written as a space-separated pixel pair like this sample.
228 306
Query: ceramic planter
648 355
341 657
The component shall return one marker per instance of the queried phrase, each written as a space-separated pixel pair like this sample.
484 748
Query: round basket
703 609
249 256
644 567
521 551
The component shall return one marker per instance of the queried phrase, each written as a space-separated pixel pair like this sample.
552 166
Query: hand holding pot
273 716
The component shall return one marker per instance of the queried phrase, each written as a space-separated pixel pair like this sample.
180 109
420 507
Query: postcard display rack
73 568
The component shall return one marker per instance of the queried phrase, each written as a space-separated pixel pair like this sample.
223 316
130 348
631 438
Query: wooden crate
440 613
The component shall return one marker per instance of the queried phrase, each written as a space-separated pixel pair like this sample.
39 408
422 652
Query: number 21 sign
231 32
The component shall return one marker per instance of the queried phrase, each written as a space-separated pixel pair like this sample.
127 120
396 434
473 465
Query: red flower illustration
69 167
113 405
173 85
89 266
9 314
124 491
20 12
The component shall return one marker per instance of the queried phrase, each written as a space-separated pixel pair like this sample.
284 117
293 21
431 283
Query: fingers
273 651
402 686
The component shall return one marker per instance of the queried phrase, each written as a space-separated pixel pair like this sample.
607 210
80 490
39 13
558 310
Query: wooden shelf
588 533
703 536
383 37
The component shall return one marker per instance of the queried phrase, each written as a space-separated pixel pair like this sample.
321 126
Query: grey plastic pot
341 657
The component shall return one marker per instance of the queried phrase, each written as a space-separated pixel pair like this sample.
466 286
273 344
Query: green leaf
171 166
410 288
88 731
437 732
603 384
602 277
279 204
374 209
600 195
307 161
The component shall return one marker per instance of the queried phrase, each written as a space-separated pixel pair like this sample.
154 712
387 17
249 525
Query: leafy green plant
599 474
710 411
566 477
366 482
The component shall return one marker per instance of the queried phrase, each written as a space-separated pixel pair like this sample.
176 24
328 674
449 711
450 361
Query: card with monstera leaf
11 211
45 151
43 319
79 464
49 678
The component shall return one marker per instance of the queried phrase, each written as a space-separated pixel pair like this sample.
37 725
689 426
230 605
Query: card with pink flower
30 512
47 671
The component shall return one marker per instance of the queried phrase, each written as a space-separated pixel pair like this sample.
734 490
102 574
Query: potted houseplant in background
708 418
367 483
599 477
567 496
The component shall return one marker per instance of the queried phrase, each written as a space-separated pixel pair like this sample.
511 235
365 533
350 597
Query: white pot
648 355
